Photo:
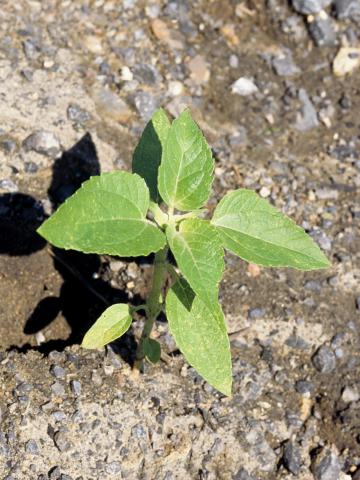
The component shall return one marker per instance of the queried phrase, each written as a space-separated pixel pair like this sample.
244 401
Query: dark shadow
20 215
84 295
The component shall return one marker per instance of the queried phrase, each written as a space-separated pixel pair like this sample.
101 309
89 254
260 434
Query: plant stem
153 304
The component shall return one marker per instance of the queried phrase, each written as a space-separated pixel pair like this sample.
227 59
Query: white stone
244 86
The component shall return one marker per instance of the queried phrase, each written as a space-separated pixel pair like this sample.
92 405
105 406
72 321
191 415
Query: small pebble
350 394
326 466
43 142
255 313
58 389
324 360
77 114
61 442
31 447
146 104
8 185
292 458
244 86
75 386
310 6
57 371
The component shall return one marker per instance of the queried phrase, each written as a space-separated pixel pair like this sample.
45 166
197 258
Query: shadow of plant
84 294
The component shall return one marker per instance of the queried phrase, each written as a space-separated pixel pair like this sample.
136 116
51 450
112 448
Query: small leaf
106 215
152 350
200 334
256 231
112 324
186 170
147 155
199 254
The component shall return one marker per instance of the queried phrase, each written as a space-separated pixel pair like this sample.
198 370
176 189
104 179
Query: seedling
160 207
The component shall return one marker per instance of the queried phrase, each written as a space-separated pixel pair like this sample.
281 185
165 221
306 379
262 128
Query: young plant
159 207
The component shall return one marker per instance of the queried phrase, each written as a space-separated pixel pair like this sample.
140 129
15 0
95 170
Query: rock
54 473
322 239
8 185
239 137
146 104
347 8
265 192
243 474
322 30
244 86
146 73
110 106
93 44
310 6
43 142
57 371
326 466
75 386
233 61
165 35
324 360
61 441
346 60
284 65
77 114
31 447
304 386
350 394
113 468
255 313
96 378
307 117
58 389
199 70
291 457
175 88
30 49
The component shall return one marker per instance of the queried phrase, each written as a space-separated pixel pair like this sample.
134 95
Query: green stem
153 304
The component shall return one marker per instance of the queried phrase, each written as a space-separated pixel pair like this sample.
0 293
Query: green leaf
112 324
200 334
256 231
147 155
152 350
106 215
199 254
186 170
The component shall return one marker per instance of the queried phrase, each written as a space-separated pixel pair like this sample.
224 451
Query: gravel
244 87
326 466
322 31
324 360
347 8
292 458
307 118
310 6
43 142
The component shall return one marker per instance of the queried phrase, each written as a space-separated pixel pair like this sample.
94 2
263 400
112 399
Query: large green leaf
200 334
112 324
106 215
199 254
147 155
186 170
256 231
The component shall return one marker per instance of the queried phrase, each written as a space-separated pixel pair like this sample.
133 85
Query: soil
89 74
